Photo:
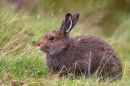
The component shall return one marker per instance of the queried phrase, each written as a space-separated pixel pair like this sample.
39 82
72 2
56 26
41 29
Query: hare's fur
86 54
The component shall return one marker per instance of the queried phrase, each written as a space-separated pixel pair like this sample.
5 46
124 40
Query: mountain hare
86 54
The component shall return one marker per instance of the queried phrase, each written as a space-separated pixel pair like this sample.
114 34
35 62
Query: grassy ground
21 63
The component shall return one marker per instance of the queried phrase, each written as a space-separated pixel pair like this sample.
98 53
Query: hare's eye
51 38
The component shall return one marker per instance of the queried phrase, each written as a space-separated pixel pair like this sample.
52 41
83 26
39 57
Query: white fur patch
69 27
52 52
39 48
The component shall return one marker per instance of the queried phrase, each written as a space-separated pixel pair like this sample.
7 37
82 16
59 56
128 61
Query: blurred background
109 19
23 23
106 15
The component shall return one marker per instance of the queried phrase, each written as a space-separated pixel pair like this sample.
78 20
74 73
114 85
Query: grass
22 64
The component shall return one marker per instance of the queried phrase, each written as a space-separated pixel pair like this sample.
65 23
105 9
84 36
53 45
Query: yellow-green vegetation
21 63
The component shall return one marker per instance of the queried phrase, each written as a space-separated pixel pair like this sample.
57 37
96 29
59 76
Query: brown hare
86 54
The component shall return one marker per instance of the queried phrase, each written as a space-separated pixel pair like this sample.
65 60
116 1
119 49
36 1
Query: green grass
21 63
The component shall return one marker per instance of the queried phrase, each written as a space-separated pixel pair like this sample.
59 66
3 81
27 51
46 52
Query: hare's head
57 40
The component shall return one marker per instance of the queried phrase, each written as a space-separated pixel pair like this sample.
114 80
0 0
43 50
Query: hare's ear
68 23
75 19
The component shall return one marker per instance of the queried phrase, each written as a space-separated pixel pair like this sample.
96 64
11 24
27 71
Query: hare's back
91 43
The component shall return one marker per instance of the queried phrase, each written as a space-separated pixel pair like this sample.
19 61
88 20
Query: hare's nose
39 43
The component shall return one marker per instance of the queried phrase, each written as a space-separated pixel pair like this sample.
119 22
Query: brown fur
86 54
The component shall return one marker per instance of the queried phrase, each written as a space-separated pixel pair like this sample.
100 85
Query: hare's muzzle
39 45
